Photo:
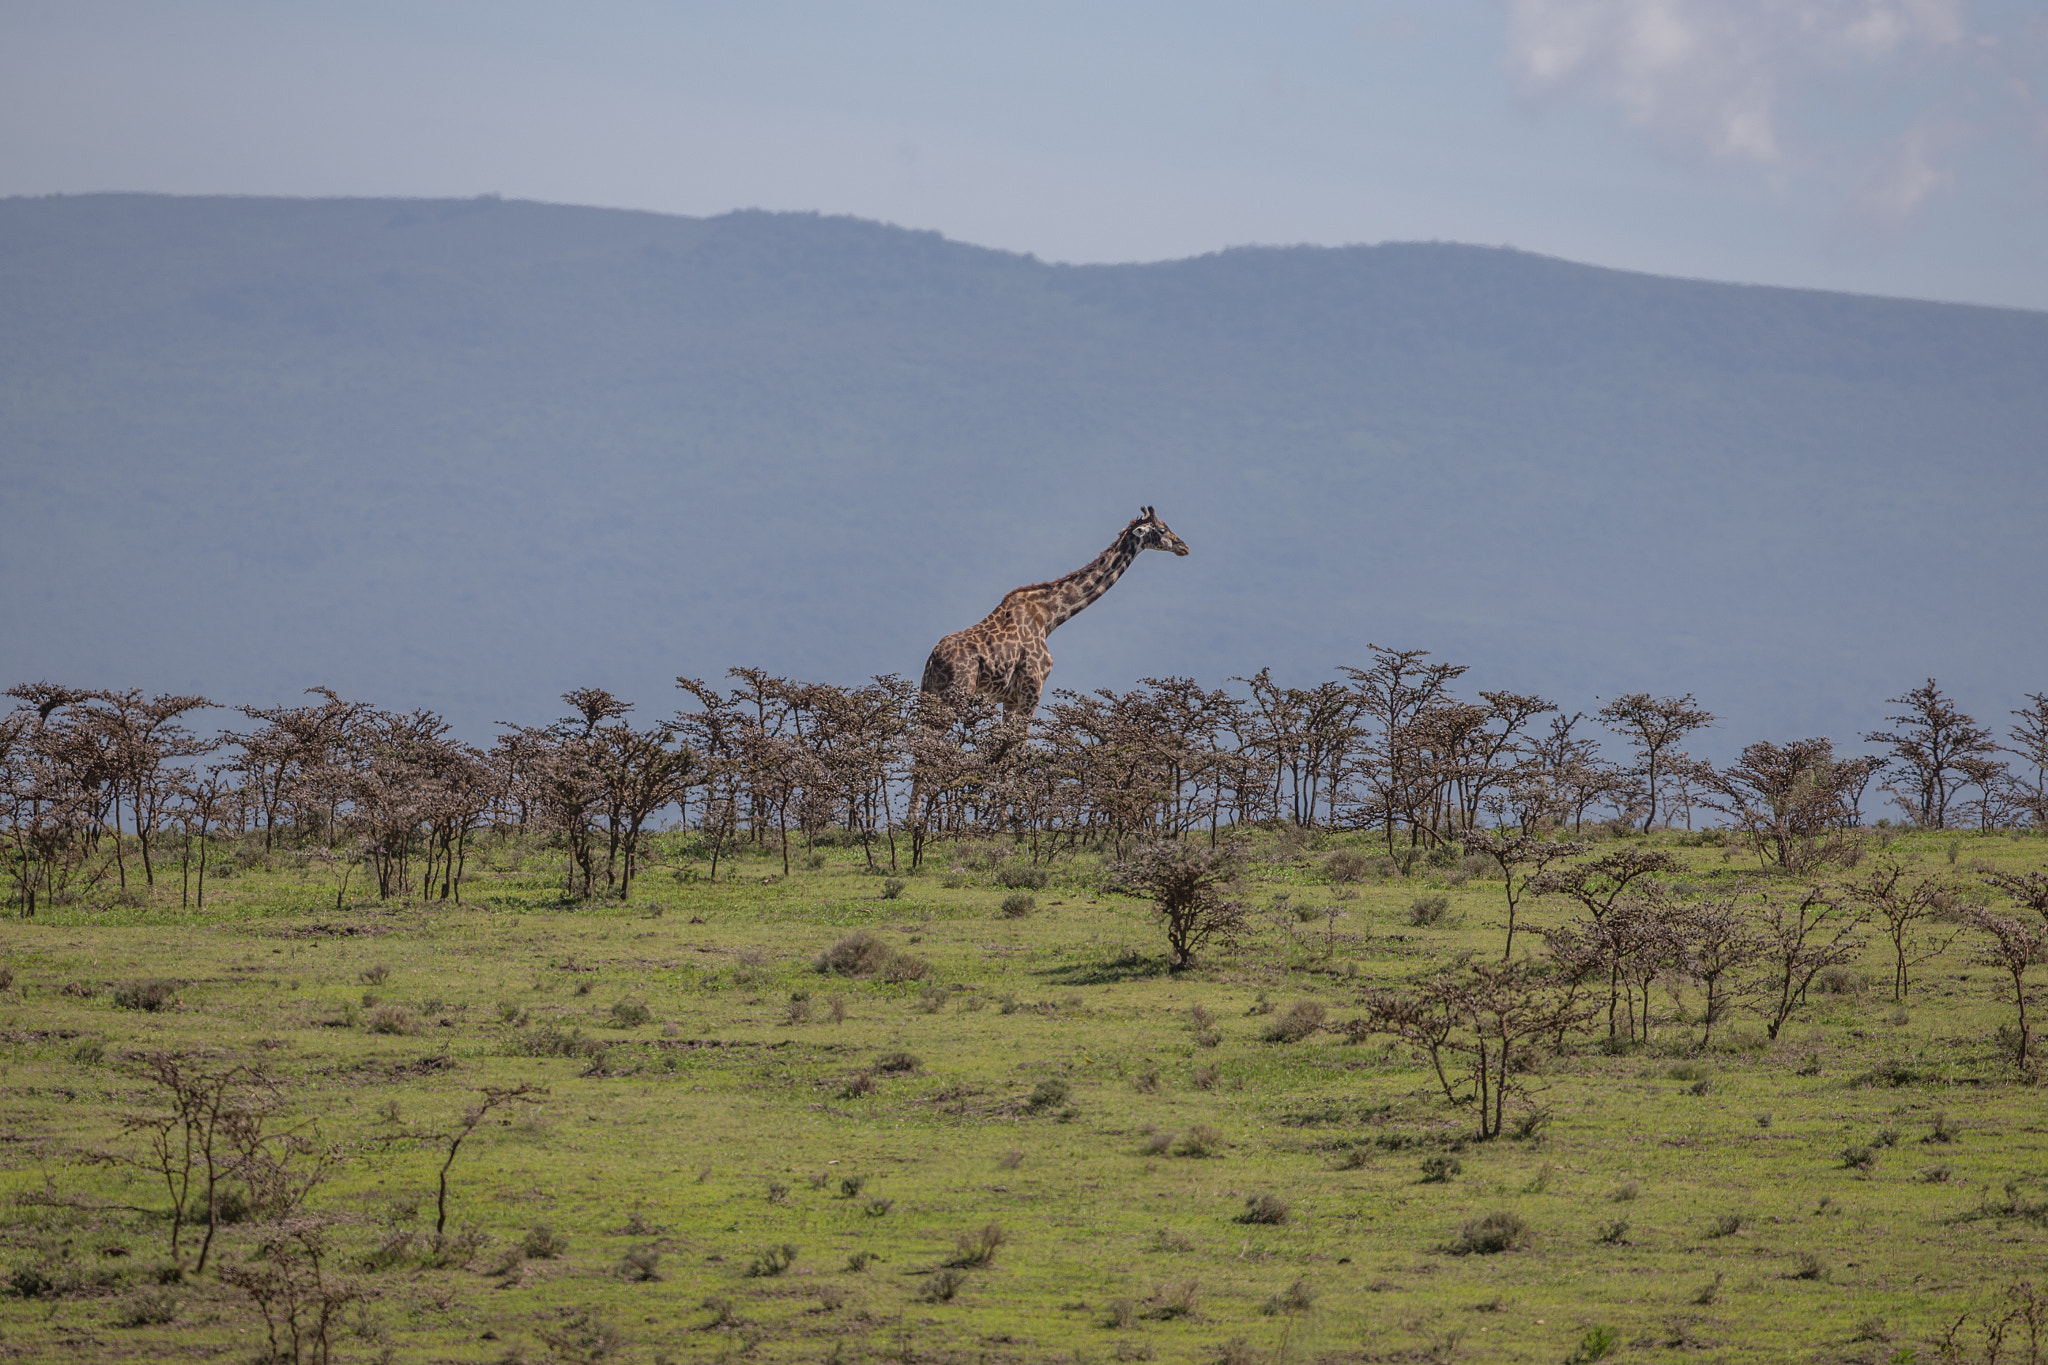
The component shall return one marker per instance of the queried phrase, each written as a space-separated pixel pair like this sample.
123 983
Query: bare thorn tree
1653 726
1936 750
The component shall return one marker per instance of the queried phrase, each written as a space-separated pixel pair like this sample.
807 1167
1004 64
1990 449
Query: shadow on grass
1129 967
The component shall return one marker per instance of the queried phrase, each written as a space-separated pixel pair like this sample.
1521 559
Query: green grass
1048 1088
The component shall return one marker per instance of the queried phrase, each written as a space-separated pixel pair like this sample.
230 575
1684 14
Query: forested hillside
468 455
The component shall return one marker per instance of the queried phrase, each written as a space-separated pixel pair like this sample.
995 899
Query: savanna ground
741 1157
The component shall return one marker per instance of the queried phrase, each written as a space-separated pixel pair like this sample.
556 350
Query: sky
1894 147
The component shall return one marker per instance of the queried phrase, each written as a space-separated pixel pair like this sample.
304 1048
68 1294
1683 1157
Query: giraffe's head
1154 534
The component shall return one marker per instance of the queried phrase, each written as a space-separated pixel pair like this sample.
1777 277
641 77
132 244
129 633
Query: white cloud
1712 78
1906 178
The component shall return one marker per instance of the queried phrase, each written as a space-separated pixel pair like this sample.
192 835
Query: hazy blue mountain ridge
467 454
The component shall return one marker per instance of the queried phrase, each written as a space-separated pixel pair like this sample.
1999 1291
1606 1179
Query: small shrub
1859 1159
393 1019
1298 1297
931 998
1046 1094
1205 1077
1022 876
1018 904
1838 981
1710 1291
815 863
150 1308
892 889
1427 911
1159 1144
1727 1225
1122 1313
1808 1267
858 954
1871 1328
1597 1344
91 1052
1941 1132
778 1192
977 1248
1166 1239
1264 1209
942 1286
549 1041
1201 1140
1170 1301
1886 1137
1439 1170
631 1014
904 967
1146 1082
1495 1233
1347 865
641 1264
1302 1018
798 1011
851 1186
151 995
1011 1159
1937 1175
878 1207
543 1243
859 1261
375 975
771 1261
1614 1233
1626 1192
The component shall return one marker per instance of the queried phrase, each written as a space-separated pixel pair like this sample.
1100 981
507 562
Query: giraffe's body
1005 656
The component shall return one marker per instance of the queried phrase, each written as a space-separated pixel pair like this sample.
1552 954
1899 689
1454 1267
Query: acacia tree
1524 855
1805 936
152 735
1185 881
1936 751
1395 695
1598 886
1561 778
1907 902
638 772
1481 1012
713 731
1653 726
2014 944
1794 801
2030 744
1719 943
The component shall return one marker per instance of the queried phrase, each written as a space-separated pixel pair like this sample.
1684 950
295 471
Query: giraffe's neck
1066 597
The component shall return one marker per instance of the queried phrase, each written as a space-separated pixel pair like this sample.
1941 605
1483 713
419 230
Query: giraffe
1004 656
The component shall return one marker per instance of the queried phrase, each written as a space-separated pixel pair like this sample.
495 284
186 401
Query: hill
467 454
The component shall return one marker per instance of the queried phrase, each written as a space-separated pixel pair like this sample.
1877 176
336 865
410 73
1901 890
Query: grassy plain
1045 1076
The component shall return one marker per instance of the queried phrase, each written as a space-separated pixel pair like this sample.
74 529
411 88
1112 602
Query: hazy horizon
1889 147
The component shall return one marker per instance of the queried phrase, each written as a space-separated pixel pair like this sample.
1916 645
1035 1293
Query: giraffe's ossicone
1004 655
